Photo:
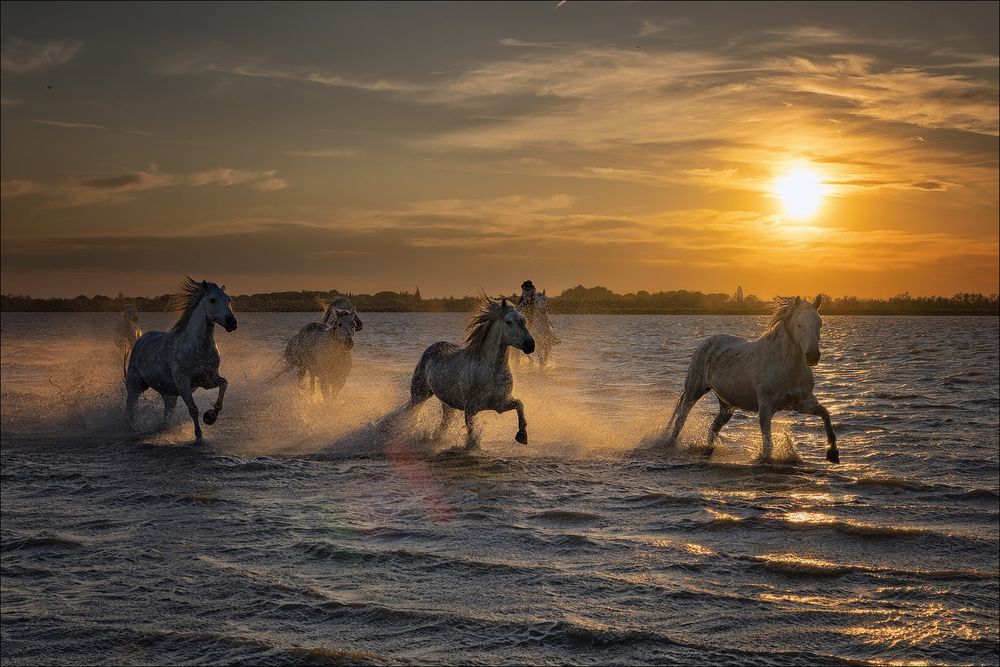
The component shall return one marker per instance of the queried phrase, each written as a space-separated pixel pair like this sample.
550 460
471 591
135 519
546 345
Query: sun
801 192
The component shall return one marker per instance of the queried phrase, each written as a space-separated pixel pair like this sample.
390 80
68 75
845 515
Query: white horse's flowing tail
677 407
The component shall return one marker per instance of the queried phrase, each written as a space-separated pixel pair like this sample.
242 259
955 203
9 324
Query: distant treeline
579 299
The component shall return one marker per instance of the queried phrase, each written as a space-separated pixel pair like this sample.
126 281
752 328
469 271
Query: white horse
766 375
177 362
127 332
476 376
323 351
536 315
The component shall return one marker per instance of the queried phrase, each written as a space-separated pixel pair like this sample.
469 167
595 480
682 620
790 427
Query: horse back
724 364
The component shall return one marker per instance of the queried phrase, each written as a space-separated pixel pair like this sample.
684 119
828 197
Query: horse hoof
522 437
210 416
833 456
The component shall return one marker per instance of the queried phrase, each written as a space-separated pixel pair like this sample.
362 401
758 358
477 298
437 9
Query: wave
566 515
794 564
42 541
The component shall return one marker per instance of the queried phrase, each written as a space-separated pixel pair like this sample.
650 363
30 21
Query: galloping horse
323 351
177 362
476 376
766 375
127 332
536 316
343 303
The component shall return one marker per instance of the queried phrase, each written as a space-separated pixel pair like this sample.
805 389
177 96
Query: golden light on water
801 191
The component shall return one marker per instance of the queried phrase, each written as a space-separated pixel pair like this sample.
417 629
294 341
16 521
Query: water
309 533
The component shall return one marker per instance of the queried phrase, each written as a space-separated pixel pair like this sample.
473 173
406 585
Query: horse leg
522 423
725 414
336 384
184 387
133 389
447 414
169 402
765 415
812 406
213 413
471 438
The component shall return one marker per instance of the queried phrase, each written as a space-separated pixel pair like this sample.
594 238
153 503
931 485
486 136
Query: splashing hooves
210 416
522 437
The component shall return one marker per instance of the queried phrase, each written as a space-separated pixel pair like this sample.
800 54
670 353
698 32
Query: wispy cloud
116 188
69 124
306 76
20 56
324 152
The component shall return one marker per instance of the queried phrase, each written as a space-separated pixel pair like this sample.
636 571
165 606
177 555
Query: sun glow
801 192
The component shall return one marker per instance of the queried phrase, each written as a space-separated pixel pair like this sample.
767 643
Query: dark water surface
308 533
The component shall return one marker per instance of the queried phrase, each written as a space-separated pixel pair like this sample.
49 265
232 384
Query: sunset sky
460 146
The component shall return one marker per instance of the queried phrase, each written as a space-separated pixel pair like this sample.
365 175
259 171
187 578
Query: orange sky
464 146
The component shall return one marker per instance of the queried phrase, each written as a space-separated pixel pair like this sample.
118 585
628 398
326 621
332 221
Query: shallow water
307 533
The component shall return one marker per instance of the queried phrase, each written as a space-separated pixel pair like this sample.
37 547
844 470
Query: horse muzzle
230 324
529 346
812 358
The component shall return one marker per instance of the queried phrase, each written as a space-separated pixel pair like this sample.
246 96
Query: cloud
21 56
17 188
650 28
306 76
116 188
324 152
69 124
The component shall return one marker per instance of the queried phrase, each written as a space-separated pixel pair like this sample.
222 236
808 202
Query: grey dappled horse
178 361
766 375
343 303
536 315
476 376
322 350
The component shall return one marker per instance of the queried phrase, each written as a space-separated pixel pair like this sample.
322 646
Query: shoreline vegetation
577 300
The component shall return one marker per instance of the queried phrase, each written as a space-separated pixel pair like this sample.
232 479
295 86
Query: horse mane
477 329
186 301
783 308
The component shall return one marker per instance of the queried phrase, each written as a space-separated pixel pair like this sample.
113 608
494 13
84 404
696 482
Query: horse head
515 329
343 327
541 301
803 324
218 306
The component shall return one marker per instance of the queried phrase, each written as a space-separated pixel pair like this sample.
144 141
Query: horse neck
199 328
493 353
781 338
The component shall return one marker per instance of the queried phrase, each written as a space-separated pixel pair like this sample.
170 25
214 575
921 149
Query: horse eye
212 300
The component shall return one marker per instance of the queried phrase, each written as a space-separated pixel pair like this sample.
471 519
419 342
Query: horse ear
798 301
503 304
543 292
223 288
818 301
204 284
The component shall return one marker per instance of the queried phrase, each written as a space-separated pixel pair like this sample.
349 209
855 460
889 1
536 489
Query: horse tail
277 375
677 406
125 352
